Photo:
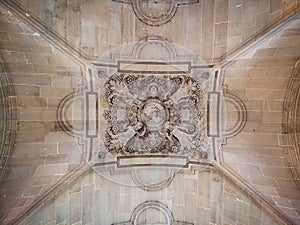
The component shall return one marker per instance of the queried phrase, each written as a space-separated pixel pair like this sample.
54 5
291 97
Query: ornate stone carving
152 212
156 12
155 114
142 111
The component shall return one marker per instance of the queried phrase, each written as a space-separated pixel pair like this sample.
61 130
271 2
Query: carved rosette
155 114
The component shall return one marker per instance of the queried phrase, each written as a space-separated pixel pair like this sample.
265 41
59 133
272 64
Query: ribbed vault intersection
231 162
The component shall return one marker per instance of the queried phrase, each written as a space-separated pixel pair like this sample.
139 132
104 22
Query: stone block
179 190
41 126
29 114
254 139
31 102
246 63
27 90
10 27
68 147
247 32
62 81
292 213
261 160
11 56
288 51
36 59
216 188
61 213
41 41
277 172
116 25
272 117
234 33
25 161
30 138
255 221
207 46
272 127
204 189
44 69
208 16
221 11
287 41
12 203
263 181
58 137
43 180
220 52
249 168
51 169
273 106
26 149
20 68
229 215
262 18
264 150
32 192
235 73
230 157
75 207
53 159
268 52
285 202
22 172
268 94
20 38
88 203
4 36
221 34
55 92
243 213
279 72
291 194
275 5
291 32
73 23
232 43
248 16
53 102
76 157
44 80
190 186
190 207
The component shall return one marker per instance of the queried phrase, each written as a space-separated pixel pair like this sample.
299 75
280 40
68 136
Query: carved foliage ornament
155 114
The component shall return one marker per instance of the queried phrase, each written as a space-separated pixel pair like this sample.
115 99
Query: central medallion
153 114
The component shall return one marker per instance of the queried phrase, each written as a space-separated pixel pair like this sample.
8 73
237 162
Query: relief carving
156 12
155 114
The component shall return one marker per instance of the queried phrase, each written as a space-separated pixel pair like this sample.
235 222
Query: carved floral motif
155 114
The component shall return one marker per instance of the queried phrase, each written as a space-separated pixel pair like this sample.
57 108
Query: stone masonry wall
210 28
260 79
202 197
43 153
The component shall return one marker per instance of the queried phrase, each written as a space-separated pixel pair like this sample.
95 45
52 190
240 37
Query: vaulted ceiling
150 112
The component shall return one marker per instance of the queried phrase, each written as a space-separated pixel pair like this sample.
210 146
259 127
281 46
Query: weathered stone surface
84 200
42 75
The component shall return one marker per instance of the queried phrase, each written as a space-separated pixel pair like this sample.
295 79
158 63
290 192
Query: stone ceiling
186 110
